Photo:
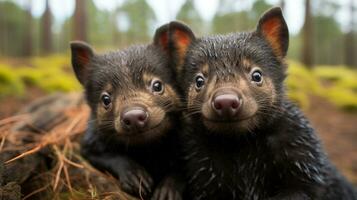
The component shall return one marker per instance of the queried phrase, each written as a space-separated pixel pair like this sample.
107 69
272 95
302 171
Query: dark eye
157 86
106 100
200 81
257 76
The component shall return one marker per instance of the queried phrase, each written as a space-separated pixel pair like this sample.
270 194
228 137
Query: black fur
143 167
280 158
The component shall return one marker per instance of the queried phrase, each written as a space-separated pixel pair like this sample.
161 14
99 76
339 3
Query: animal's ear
180 38
81 56
161 38
272 27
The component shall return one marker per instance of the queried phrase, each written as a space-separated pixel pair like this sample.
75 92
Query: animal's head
233 82
131 92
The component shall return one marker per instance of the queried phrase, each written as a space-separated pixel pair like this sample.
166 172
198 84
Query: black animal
242 138
134 110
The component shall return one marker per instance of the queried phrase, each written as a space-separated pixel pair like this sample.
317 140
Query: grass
337 84
10 83
67 175
53 73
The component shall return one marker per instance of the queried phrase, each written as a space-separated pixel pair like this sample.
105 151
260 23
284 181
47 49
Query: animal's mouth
146 135
151 131
227 120
138 132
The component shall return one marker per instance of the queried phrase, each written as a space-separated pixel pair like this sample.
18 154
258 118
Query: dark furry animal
132 131
243 139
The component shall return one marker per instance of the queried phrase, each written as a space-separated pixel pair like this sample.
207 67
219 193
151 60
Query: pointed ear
180 38
272 27
81 56
161 38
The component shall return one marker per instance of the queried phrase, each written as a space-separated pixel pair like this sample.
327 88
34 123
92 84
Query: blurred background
35 59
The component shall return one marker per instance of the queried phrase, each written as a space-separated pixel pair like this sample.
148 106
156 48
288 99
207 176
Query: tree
46 30
328 37
141 17
100 26
12 28
28 35
349 39
80 21
307 49
190 16
327 40
227 20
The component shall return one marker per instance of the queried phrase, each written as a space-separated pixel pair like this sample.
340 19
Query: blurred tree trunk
46 30
80 21
307 49
349 40
282 4
2 34
28 37
116 36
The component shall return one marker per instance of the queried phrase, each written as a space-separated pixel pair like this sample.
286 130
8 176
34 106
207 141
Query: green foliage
300 78
227 21
51 74
240 20
328 41
12 25
341 85
300 83
101 26
190 16
10 83
140 16
335 73
342 97
338 84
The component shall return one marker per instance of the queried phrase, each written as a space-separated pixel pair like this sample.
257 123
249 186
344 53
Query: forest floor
337 128
338 132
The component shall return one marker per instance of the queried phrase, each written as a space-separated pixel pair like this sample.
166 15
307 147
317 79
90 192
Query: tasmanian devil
242 138
134 110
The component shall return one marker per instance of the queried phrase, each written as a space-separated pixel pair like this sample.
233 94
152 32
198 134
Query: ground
337 129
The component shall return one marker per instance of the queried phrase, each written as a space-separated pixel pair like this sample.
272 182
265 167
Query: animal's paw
136 181
168 189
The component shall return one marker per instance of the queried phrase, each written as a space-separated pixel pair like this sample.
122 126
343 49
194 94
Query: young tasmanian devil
243 139
134 104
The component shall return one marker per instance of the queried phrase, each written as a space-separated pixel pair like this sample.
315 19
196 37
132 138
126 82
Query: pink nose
134 118
226 105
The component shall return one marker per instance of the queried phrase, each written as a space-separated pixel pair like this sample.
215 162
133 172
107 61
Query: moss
341 90
343 85
299 77
60 82
301 83
51 62
348 84
29 75
343 98
53 73
10 83
334 73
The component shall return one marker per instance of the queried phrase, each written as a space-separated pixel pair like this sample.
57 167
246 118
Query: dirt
338 132
11 105
336 128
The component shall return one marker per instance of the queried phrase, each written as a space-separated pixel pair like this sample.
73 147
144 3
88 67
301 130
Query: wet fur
141 163
278 156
